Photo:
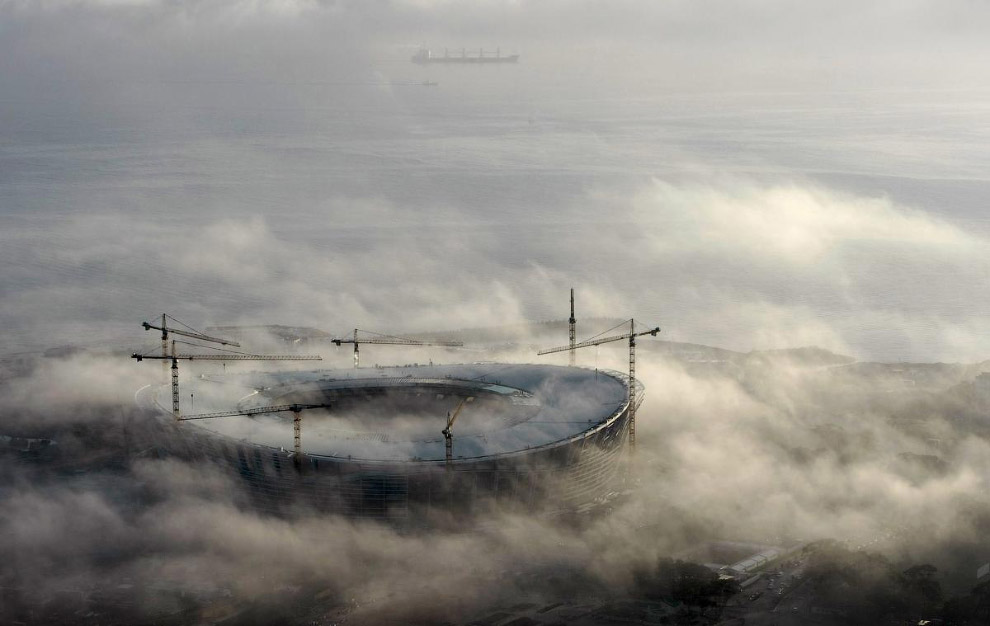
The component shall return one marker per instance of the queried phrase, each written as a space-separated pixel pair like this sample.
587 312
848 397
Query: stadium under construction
396 442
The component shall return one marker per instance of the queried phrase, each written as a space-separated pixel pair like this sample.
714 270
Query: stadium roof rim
521 374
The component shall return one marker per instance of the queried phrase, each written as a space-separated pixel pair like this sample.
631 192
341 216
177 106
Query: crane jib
596 342
200 336
281 408
398 342
231 357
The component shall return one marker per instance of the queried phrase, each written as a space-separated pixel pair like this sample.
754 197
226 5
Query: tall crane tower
231 356
572 330
631 336
296 409
191 333
388 340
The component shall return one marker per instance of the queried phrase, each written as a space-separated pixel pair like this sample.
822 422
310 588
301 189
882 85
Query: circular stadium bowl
372 445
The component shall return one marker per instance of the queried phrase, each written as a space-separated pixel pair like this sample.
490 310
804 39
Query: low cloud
741 264
789 224
758 447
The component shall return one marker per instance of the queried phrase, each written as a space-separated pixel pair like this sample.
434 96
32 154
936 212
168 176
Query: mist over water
135 180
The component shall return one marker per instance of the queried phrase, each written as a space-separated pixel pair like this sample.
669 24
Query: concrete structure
535 435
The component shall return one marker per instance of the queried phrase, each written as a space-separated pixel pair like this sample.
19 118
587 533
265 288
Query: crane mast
632 385
631 337
388 340
572 330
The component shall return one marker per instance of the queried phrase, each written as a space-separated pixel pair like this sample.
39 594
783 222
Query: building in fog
531 435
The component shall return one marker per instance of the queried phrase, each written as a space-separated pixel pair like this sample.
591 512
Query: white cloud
797 224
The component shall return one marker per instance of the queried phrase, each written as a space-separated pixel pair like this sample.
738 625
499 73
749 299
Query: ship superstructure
425 56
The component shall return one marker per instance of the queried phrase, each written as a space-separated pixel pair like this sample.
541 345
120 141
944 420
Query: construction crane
185 333
296 409
448 435
631 336
389 340
572 330
231 356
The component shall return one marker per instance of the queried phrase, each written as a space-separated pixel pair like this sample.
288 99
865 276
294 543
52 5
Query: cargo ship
425 56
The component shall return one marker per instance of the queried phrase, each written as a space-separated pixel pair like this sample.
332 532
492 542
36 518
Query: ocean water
852 220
